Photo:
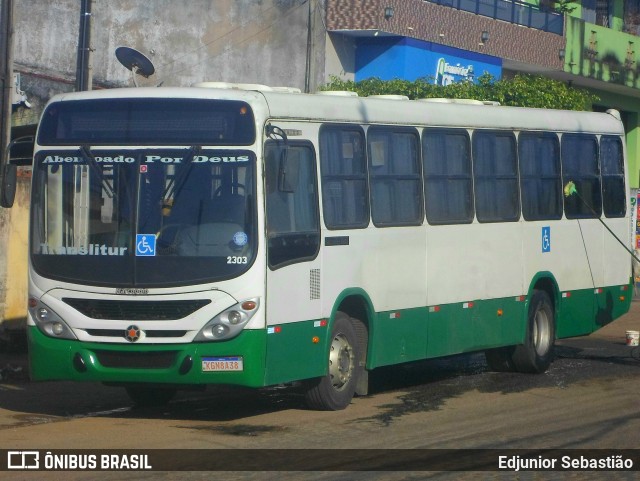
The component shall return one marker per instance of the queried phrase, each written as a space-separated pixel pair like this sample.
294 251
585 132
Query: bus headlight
230 322
219 331
234 317
49 323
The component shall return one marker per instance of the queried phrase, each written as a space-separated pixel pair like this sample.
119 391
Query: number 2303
237 260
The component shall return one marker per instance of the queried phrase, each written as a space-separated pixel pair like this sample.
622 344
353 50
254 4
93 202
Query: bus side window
580 165
495 174
394 170
293 226
540 182
345 190
613 191
447 176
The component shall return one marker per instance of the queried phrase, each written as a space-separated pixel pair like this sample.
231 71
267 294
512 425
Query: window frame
606 176
415 176
540 134
314 169
448 177
566 177
325 178
478 178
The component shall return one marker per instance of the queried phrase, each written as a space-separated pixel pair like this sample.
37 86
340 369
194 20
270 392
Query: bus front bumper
238 361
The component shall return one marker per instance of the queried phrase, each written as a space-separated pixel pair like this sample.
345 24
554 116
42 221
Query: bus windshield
145 217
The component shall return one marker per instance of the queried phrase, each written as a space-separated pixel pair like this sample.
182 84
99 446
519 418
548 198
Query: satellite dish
135 61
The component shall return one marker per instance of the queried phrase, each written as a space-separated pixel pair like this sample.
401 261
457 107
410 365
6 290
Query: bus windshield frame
164 207
147 122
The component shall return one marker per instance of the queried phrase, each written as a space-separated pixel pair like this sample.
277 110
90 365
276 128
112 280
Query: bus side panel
474 261
395 279
388 264
587 310
615 301
499 322
449 330
477 325
575 316
296 351
293 314
611 303
473 271
400 336
617 261
574 254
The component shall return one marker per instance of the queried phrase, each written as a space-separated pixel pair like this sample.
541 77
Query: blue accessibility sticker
145 245
546 239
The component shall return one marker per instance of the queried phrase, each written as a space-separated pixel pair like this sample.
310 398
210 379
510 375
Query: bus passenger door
294 334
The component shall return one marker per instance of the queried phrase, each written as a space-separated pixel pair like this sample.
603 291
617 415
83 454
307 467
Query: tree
521 91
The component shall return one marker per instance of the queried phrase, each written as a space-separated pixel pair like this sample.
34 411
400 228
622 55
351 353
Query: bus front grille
136 360
136 310
123 332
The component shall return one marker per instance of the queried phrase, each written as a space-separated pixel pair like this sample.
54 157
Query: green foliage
565 6
521 91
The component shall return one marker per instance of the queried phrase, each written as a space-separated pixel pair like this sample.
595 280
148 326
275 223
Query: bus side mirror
8 187
19 152
288 173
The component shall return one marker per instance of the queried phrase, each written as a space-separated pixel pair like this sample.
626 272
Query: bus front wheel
335 390
536 354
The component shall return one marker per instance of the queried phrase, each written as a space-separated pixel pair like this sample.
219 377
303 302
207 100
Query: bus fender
356 303
545 281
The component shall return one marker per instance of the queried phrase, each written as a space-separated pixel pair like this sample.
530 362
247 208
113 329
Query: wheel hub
341 362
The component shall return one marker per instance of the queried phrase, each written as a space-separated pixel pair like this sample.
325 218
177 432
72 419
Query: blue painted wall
398 57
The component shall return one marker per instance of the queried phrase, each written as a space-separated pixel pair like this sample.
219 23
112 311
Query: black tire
146 396
335 390
536 354
500 359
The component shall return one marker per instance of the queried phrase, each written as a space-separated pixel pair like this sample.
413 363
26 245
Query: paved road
590 398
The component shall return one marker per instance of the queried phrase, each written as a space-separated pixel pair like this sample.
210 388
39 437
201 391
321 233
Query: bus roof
433 113
386 110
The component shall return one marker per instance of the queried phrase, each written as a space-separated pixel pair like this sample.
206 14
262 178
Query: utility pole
6 77
309 53
84 78
315 41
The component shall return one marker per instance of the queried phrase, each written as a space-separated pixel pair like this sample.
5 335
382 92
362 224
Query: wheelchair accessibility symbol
546 239
145 245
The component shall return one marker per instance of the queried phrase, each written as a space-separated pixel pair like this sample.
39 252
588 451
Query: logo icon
240 239
23 460
145 245
132 333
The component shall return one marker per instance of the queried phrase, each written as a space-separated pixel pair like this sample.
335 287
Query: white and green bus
256 236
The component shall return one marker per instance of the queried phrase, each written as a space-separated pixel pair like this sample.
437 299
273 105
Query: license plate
222 364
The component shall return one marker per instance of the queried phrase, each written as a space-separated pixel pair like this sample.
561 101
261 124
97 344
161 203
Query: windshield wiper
175 185
85 150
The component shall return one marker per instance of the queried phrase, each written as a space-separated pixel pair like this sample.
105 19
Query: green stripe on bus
296 351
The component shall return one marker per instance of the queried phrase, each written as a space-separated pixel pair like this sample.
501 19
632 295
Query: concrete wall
248 41
255 41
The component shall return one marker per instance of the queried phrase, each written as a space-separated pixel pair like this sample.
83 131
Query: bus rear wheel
536 354
335 390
